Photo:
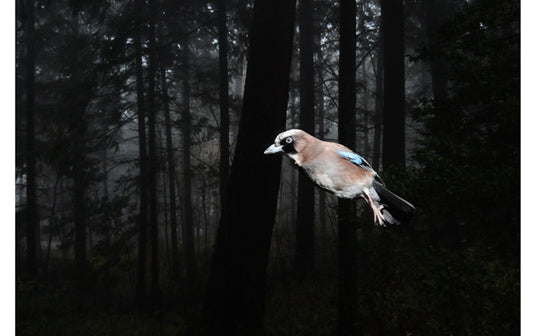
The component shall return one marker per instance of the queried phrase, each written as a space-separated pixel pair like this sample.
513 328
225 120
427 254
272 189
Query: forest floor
103 323
293 307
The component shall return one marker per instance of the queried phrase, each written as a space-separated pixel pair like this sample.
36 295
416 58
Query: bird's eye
289 140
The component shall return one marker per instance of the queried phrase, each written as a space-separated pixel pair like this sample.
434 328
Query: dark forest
146 206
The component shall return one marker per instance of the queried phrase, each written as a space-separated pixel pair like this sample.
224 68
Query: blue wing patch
359 161
354 158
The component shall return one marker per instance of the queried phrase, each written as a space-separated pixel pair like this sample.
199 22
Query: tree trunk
434 14
378 113
174 266
140 286
32 208
79 172
236 291
321 135
292 123
153 162
321 193
348 296
393 84
223 100
166 211
305 221
188 227
51 223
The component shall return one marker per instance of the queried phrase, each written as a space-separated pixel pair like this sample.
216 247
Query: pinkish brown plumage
339 170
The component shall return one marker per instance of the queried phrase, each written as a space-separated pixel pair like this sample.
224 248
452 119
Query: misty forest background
145 205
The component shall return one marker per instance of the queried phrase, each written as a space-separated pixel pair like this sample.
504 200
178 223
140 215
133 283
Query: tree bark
321 193
79 173
140 286
393 84
32 207
236 291
153 162
223 100
174 268
321 135
348 294
305 222
378 113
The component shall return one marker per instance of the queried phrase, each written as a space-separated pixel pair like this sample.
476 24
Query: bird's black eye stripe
288 145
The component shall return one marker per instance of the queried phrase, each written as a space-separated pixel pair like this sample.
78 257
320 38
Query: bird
342 172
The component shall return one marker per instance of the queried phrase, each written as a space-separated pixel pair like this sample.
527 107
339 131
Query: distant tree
186 127
305 218
171 163
77 107
378 107
347 233
79 79
236 291
393 83
436 12
140 286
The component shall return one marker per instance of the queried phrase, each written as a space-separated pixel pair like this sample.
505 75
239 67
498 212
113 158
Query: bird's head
290 142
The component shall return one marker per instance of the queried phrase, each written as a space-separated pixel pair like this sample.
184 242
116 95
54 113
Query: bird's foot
378 216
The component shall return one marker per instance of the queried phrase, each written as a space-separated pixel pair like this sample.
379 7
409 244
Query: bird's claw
378 216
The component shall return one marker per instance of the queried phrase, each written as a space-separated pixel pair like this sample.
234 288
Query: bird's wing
359 161
356 159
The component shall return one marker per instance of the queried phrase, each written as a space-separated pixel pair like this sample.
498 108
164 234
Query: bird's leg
378 216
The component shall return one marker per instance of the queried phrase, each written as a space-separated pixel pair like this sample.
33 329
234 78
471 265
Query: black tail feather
397 207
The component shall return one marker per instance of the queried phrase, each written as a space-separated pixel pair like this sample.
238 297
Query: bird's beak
273 149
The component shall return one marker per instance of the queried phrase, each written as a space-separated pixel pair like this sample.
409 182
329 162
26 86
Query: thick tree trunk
140 286
305 222
321 193
153 162
174 268
394 84
348 295
32 208
292 123
378 109
236 291
223 100
321 135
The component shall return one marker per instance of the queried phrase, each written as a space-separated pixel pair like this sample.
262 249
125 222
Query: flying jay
339 170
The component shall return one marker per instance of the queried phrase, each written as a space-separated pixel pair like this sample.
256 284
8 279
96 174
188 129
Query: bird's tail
396 210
